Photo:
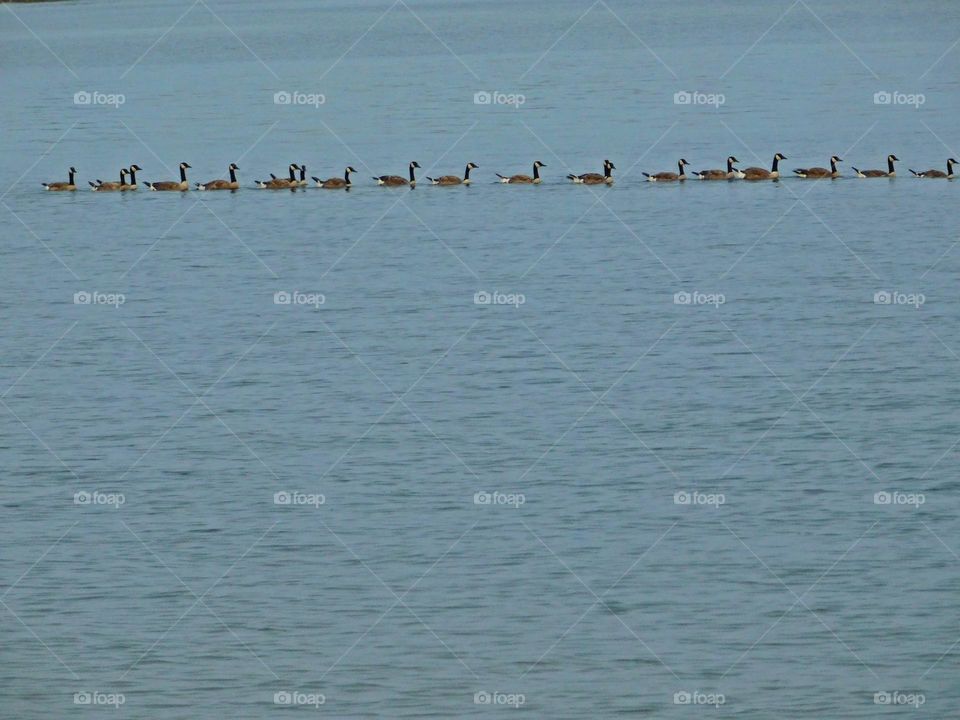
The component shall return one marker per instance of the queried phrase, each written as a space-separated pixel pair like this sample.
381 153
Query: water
399 399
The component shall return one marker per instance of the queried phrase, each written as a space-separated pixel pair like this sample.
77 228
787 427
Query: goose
890 172
668 176
925 174
303 176
524 179
729 174
819 172
595 178
171 185
336 183
230 184
63 186
396 180
132 185
100 186
453 179
275 183
758 173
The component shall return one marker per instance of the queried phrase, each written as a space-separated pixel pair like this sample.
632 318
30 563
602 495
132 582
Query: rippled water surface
586 499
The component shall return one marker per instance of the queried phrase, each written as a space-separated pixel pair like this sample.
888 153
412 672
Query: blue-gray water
599 399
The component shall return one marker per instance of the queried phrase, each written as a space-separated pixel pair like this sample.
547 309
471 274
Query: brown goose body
336 183
758 173
170 185
111 186
669 176
287 183
595 178
524 179
398 180
889 172
938 173
729 174
230 184
454 179
816 173
67 186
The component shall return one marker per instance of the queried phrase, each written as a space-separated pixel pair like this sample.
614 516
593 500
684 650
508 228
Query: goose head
472 166
836 159
780 156
233 166
350 169
415 164
608 164
184 166
539 164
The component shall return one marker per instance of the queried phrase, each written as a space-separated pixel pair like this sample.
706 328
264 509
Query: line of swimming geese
294 181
